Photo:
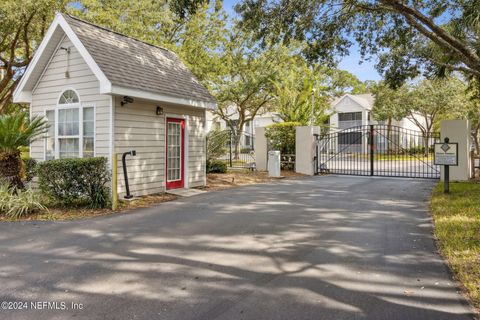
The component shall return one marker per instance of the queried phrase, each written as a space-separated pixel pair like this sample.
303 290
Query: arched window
68 96
72 128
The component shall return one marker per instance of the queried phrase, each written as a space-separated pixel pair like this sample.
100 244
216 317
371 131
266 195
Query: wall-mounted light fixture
67 71
126 99
159 111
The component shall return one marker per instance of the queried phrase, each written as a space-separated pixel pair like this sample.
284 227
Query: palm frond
16 130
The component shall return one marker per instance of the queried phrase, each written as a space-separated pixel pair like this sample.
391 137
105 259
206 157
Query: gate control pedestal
274 164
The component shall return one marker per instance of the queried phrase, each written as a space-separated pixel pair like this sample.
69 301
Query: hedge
281 137
216 166
76 181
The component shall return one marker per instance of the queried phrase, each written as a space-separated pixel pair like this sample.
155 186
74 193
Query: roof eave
147 95
19 94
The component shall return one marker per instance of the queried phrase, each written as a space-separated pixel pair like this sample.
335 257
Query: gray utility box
274 164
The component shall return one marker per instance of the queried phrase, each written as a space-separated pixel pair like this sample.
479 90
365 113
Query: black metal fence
239 150
377 150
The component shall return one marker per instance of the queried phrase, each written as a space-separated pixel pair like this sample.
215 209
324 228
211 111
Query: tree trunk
10 169
389 135
236 140
426 143
475 138
237 137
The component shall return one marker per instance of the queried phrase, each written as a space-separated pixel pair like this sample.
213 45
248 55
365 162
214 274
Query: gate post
315 157
260 149
458 131
372 150
305 143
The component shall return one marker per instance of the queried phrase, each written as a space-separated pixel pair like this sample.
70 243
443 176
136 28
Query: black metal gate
238 149
377 150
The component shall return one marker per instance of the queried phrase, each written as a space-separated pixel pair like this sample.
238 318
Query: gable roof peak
365 100
123 65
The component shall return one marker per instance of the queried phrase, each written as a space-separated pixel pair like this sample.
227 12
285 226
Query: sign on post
446 155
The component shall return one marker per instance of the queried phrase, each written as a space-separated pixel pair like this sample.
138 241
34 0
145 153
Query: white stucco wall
305 149
458 131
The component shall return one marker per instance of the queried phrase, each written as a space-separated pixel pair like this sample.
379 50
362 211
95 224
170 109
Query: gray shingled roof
131 63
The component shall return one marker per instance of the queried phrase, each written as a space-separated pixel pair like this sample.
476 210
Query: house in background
352 110
104 93
349 112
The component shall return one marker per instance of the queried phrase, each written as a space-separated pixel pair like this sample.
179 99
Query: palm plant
16 130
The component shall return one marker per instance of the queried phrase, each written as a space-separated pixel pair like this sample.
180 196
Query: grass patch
457 227
400 157
395 157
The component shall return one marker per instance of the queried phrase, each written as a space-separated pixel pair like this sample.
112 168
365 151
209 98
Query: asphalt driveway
317 248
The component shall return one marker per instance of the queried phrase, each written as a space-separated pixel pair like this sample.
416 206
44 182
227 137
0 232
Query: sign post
446 155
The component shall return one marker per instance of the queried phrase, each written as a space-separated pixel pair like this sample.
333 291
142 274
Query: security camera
126 99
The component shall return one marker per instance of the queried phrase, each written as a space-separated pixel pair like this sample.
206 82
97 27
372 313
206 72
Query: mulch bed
215 181
232 179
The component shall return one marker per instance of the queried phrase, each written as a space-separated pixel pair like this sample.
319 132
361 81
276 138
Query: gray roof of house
132 63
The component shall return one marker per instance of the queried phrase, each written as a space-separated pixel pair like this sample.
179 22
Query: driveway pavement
317 248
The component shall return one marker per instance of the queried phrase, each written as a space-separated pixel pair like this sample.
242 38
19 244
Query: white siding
196 149
137 127
53 82
347 105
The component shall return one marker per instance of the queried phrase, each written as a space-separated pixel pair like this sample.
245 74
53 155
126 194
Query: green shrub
419 150
76 181
245 150
5 195
18 203
216 166
30 166
216 142
281 137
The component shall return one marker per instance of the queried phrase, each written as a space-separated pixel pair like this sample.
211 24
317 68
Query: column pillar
458 131
261 151
305 149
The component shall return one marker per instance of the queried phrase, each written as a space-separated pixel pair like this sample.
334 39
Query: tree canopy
23 25
425 103
410 37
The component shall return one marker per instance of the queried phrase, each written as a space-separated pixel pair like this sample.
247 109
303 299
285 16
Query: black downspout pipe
125 175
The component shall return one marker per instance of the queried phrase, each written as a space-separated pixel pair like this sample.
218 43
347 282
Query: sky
350 63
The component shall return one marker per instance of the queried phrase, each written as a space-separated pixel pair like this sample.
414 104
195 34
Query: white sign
446 154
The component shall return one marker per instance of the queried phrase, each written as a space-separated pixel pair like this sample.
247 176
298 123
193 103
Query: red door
175 153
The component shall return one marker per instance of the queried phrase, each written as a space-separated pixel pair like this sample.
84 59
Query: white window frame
54 134
80 106
93 106
80 128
